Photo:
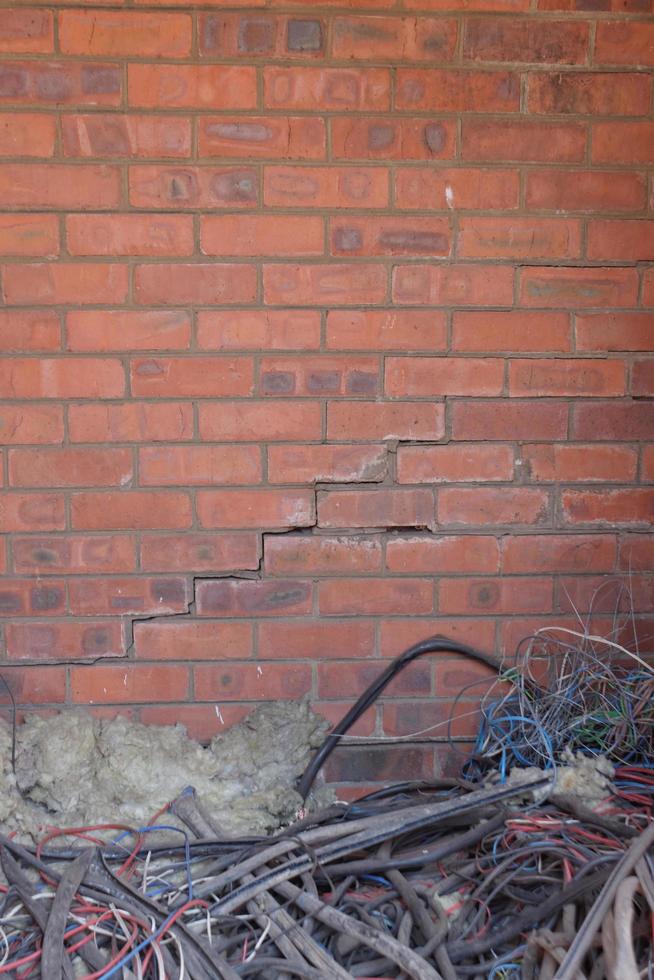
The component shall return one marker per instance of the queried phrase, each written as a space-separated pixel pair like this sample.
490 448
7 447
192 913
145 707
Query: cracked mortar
73 769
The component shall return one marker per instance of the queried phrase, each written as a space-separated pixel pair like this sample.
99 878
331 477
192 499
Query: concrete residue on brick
73 769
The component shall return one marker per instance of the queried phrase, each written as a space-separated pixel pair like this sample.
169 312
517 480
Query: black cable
435 644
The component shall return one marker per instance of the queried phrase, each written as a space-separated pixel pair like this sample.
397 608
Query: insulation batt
73 769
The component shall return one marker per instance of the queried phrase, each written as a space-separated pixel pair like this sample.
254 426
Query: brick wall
325 327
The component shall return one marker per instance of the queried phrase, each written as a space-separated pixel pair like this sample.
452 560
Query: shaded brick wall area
325 327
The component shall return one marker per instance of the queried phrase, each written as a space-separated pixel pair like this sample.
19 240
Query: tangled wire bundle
461 878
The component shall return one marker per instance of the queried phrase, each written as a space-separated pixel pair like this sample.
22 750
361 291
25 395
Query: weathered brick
519 238
29 235
131 683
74 554
52 83
400 330
61 378
426 377
39 512
561 287
434 90
490 505
375 508
204 552
327 464
476 596
412 236
59 186
130 510
614 331
129 596
621 241
526 40
625 43
253 598
266 421
129 234
193 188
559 377
267 509
525 141
320 639
519 420
510 331
270 137
392 138
475 189
325 187
454 463
27 134
258 234
111 330
315 285
628 506
113 137
591 190
440 554
192 377
192 86
58 640
31 424
413 421
112 33
322 555
588 93
258 330
624 421
173 285
326 375
200 640
64 282
545 463
559 553
629 143
70 467
453 285
199 465
252 682
398 38
130 422
324 89
375 597
26 31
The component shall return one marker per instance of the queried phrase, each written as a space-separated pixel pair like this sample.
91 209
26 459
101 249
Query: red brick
192 86
253 682
29 235
134 596
596 594
546 463
589 93
437 554
511 331
192 377
199 465
509 420
558 377
300 554
255 509
393 38
510 6
29 330
317 640
494 595
518 238
526 40
130 422
20 597
64 282
74 554
614 331
413 421
32 512
317 285
26 31
256 137
625 43
70 641
454 463
264 421
262 234
31 424
129 234
629 506
392 138
47 685
113 33
192 640
456 674
111 330
216 597
559 553
258 330
642 379
329 376
490 505
325 187
473 189
591 190
425 377
130 510
503 140
200 721
397 634
399 330
125 137
325 89
578 287
206 284
59 186
334 711
648 288
201 552
453 285
27 134
54 83
375 508
630 143
362 764
389 236
434 90
234 35
335 679
179 187
375 597
620 421
128 683
70 467
435 718
61 378
327 464
637 552
622 241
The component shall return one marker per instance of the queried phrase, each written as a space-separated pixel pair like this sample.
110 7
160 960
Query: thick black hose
435 644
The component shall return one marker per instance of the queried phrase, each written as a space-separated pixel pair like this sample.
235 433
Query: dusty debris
75 769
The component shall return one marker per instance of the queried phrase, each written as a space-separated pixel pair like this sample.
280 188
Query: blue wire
187 847
137 949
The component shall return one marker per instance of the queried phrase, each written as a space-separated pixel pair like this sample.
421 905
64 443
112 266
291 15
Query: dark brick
304 35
